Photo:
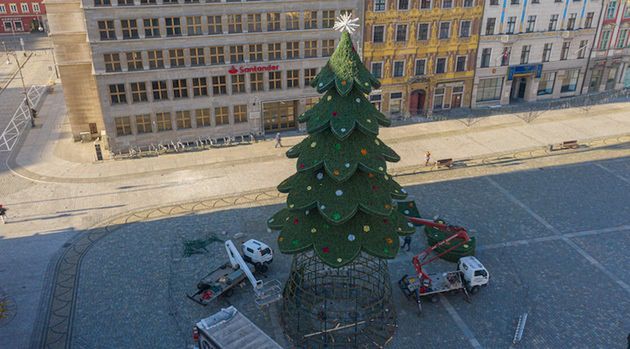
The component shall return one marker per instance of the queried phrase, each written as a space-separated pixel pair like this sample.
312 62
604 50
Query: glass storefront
279 116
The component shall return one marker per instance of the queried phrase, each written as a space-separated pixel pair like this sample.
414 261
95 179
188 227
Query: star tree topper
345 22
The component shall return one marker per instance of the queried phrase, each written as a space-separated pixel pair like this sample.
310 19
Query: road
37 69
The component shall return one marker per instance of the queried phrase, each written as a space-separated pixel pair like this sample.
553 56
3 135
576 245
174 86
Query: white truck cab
475 274
257 253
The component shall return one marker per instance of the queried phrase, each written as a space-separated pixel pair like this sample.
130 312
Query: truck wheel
474 290
261 268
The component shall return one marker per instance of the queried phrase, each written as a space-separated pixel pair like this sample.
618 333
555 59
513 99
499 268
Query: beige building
155 71
533 50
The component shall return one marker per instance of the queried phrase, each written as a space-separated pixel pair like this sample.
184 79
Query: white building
533 49
610 57
153 71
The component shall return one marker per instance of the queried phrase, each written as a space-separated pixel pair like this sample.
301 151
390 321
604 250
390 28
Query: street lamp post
28 103
6 52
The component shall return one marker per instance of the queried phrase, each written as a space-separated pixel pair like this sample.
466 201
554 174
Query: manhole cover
8 309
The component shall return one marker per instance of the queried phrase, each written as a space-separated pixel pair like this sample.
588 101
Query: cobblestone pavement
560 256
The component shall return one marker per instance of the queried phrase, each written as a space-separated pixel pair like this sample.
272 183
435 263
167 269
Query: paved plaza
555 248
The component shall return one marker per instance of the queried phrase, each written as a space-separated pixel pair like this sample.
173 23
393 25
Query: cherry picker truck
469 276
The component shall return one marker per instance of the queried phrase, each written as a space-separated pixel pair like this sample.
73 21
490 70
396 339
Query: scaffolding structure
347 307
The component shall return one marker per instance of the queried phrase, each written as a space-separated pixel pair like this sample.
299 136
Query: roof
232 330
473 262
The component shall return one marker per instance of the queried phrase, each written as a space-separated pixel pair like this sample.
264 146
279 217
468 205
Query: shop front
448 95
280 116
606 75
521 78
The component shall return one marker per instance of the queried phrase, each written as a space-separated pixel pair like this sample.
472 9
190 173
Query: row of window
440 100
215 24
611 9
530 25
160 90
405 5
518 2
180 120
622 39
100 3
216 55
423 31
490 89
13 8
441 66
505 54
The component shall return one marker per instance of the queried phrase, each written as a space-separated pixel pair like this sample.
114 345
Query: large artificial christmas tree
340 221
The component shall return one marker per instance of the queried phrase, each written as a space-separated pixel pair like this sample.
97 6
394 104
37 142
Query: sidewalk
49 154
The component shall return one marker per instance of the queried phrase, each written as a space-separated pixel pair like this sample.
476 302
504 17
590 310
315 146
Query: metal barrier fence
181 146
21 118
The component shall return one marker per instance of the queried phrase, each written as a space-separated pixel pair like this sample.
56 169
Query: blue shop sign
525 69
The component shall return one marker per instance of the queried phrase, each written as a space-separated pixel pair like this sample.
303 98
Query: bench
448 163
569 145
573 144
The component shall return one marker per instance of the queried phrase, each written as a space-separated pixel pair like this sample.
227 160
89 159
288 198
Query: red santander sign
253 69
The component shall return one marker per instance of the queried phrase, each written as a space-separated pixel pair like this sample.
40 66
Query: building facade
423 51
21 16
163 70
610 56
533 50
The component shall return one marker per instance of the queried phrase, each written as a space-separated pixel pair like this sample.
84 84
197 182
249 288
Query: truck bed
230 329
224 274
216 283
443 282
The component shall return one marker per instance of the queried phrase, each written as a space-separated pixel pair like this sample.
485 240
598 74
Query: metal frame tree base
347 307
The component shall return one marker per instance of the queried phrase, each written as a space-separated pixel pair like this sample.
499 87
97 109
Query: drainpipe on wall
472 88
590 54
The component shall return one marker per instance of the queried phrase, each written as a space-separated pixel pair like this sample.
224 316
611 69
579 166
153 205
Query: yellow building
423 51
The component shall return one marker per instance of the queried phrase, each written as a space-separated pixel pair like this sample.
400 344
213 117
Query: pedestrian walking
427 158
407 243
3 214
278 140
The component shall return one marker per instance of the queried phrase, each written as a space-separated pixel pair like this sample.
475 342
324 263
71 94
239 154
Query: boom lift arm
237 261
419 260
